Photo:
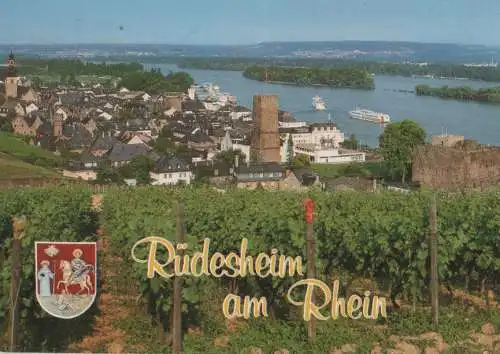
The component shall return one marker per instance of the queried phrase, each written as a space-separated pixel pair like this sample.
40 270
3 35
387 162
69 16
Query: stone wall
447 140
466 165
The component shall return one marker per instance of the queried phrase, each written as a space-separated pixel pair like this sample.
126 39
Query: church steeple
11 66
11 79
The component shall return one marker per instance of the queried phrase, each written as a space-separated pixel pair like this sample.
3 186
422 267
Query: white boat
369 116
318 103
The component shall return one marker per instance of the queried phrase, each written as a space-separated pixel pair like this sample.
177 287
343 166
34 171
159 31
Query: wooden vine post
433 242
18 225
309 214
177 300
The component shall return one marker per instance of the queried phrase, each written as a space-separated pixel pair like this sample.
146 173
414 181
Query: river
478 121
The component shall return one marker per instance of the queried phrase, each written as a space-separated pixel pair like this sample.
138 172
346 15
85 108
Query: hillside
12 169
19 160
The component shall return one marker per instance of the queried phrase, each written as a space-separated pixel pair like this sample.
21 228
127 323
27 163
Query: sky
248 21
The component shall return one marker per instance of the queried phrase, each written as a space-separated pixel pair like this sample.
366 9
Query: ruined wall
447 140
463 166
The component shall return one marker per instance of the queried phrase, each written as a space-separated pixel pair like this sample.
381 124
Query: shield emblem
65 277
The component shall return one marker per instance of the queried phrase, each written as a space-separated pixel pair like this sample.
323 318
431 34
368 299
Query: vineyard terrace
199 263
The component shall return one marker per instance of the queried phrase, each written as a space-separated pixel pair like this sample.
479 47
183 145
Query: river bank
341 77
434 70
464 93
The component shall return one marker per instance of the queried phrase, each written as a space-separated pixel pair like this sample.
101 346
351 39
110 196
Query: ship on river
369 116
318 103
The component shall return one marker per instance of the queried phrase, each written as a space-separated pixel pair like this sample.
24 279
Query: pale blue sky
248 21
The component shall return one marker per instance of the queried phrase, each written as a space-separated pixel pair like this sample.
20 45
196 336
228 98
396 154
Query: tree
140 167
71 80
180 81
397 143
164 144
355 169
11 114
301 161
108 175
36 82
229 156
352 143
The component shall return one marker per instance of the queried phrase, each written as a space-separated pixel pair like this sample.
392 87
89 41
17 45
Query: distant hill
361 50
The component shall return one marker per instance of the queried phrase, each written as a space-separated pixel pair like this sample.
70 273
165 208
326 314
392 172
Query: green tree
6 125
109 175
301 161
352 143
396 145
36 82
140 167
355 169
229 156
164 144
72 81
11 114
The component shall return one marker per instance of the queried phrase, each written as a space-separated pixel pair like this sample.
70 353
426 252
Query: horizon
247 44
229 23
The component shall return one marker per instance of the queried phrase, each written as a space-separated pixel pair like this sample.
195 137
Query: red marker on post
309 209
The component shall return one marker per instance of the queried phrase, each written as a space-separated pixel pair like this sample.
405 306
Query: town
144 198
114 135
176 136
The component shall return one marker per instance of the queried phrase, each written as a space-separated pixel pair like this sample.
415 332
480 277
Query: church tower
11 79
57 123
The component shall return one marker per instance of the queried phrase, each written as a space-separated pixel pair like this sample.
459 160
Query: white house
320 141
140 139
170 112
292 124
31 108
316 134
192 93
106 116
146 97
326 154
171 171
240 115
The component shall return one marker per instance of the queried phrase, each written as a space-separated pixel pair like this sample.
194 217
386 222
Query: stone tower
265 145
57 123
11 79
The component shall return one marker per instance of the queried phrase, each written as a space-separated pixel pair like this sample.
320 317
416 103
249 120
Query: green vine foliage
52 214
382 236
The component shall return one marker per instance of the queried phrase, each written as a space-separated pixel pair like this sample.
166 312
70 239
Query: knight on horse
79 267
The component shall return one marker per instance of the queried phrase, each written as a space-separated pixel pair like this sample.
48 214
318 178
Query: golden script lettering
240 265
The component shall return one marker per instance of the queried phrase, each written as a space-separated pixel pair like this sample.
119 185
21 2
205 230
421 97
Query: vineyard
368 241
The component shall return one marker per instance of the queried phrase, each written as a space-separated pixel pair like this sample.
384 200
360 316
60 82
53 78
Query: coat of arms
65 277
